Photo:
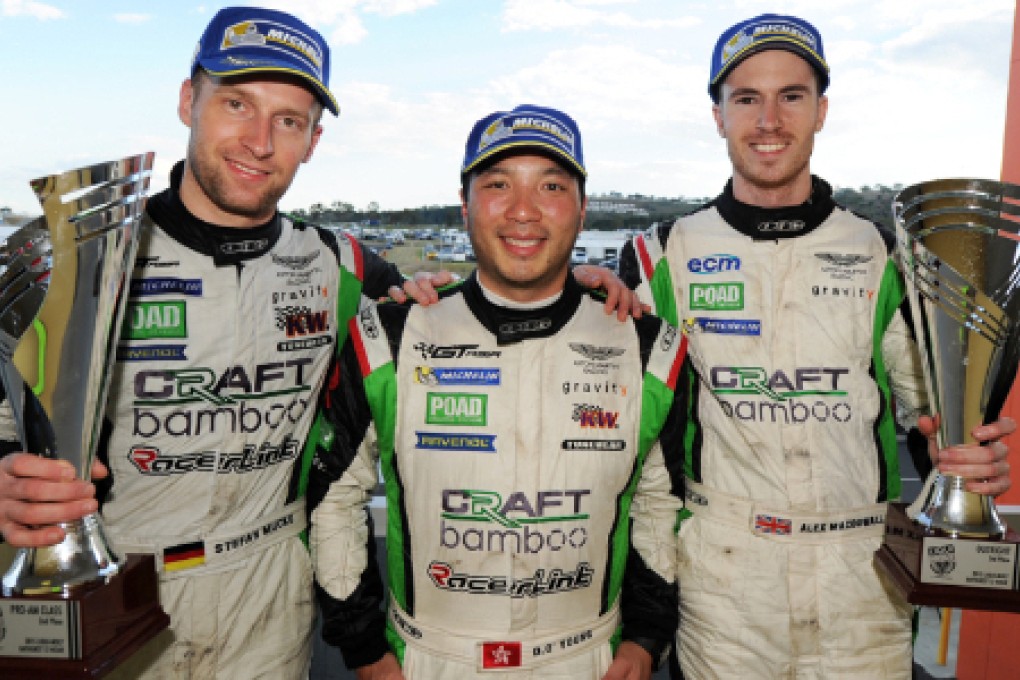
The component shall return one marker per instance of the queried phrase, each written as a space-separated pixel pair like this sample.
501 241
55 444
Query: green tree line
872 202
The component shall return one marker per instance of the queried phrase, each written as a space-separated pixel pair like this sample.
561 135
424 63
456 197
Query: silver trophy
63 287
957 243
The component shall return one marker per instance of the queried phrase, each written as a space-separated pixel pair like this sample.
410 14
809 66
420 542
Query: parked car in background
452 254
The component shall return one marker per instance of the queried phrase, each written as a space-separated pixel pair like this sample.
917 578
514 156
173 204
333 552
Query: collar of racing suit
226 245
770 224
513 325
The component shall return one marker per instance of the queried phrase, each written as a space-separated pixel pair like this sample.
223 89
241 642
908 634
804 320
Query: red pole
988 648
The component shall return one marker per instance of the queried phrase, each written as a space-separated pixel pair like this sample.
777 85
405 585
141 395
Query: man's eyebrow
492 170
742 92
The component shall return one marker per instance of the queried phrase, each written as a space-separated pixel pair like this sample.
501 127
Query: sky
918 89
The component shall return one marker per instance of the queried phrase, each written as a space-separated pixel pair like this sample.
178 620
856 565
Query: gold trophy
957 242
77 608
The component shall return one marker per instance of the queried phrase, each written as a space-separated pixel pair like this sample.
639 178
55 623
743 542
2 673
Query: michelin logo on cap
500 130
246 34
748 35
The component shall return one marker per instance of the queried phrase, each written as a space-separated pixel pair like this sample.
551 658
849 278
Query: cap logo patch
246 34
735 44
242 34
493 134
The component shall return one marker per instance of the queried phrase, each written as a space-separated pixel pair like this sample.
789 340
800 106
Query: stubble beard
215 186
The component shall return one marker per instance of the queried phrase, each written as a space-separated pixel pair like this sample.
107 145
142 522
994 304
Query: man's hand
385 668
632 662
422 287
37 493
618 296
983 465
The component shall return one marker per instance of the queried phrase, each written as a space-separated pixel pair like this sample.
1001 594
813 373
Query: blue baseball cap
766 32
526 127
243 40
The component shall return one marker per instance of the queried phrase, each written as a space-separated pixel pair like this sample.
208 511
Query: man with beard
524 441
795 315
210 405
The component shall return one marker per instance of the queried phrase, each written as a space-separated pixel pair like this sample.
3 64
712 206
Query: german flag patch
184 556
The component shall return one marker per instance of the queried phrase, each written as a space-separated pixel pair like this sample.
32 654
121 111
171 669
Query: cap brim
523 145
222 70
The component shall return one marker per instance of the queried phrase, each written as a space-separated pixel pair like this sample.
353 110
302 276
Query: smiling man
235 315
796 321
530 508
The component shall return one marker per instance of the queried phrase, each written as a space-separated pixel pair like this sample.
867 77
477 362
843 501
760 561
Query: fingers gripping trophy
63 287
957 242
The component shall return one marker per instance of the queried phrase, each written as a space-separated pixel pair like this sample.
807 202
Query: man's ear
717 114
464 210
186 102
823 109
316 134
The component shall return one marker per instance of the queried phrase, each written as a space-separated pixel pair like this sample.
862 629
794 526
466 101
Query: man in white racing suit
234 316
795 316
531 511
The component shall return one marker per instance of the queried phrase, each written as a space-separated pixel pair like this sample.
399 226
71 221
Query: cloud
132 18
29 8
548 15
391 8
610 83
341 20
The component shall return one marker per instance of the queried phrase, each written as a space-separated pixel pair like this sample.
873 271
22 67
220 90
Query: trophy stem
952 511
82 559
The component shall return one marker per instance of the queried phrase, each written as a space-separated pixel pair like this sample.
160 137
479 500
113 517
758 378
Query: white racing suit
531 514
227 338
797 331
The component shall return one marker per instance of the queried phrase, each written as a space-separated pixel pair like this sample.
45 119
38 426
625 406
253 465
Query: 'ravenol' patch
448 441
152 353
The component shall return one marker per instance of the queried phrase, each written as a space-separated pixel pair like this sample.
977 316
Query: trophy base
928 569
85 635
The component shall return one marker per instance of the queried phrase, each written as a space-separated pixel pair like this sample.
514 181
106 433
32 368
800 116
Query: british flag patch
767 524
